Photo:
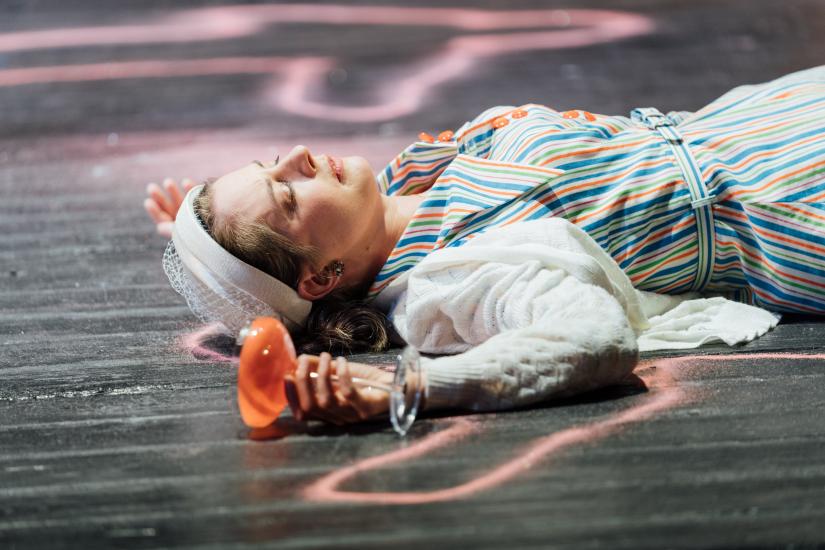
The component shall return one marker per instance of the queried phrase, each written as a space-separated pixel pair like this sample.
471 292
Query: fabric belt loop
701 198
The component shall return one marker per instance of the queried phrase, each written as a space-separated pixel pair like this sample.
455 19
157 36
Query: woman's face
328 202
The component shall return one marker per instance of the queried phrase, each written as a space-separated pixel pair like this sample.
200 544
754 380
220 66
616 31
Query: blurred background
108 427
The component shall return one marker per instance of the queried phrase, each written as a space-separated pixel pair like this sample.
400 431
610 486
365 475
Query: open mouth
337 166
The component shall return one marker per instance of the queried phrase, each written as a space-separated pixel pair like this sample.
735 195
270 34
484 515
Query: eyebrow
271 193
267 183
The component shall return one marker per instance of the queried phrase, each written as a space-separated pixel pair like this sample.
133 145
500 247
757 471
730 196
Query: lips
337 166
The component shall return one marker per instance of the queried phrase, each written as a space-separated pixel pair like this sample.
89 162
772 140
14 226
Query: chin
358 172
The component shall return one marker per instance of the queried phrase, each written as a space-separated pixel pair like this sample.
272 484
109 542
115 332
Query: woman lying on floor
545 249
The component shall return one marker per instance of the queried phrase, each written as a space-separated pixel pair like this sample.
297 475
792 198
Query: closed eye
261 164
292 204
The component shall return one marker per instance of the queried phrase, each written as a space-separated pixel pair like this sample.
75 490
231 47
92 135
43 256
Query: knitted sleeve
527 333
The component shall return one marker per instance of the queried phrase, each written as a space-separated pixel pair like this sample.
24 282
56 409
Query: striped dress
753 231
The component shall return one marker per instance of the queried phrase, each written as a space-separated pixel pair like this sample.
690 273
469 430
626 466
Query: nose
300 160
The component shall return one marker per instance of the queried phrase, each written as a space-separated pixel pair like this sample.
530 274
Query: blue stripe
740 169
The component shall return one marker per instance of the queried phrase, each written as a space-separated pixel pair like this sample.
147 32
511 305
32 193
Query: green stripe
644 267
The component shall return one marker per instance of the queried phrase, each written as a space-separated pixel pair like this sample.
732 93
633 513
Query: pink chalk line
193 343
397 95
231 22
665 395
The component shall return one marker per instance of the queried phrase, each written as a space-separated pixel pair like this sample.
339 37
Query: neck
397 213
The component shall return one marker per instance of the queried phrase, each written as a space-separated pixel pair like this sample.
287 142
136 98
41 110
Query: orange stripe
815 198
761 129
777 301
426 215
417 165
407 249
504 192
635 249
755 156
584 152
788 175
593 183
778 237
667 288
801 211
745 251
736 193
415 246
621 203
520 216
670 260
801 279
758 130
513 165
525 213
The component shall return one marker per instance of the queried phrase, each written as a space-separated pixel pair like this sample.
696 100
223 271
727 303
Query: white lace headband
218 286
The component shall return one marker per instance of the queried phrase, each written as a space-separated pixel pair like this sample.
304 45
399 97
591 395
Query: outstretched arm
531 333
163 202
527 333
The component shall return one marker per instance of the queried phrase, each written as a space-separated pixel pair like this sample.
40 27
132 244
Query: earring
337 267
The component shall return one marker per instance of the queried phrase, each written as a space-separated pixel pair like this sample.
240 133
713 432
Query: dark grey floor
111 435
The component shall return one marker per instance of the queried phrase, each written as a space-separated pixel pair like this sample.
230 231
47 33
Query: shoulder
499 116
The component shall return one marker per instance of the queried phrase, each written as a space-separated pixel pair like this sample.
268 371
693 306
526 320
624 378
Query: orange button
588 116
424 136
570 114
500 122
519 113
446 135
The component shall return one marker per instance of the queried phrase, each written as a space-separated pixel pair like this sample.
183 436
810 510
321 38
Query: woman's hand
163 203
336 401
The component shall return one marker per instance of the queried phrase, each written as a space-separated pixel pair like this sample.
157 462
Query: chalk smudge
195 343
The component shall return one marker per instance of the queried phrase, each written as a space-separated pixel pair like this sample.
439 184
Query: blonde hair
342 322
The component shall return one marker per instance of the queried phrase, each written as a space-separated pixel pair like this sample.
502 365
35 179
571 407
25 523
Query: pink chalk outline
397 96
193 343
666 394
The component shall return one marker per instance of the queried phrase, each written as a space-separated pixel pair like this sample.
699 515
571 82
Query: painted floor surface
113 435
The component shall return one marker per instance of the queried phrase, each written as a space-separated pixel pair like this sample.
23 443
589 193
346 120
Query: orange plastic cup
267 356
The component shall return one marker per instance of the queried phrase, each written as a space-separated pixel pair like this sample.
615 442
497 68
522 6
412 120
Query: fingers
174 192
311 393
327 406
154 211
156 193
292 397
348 391
303 385
163 221
170 197
323 384
162 204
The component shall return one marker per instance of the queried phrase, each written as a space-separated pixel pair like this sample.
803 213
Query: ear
314 284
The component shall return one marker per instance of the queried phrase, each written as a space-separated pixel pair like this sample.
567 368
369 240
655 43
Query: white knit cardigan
537 310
